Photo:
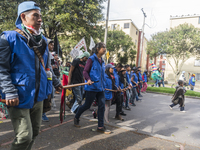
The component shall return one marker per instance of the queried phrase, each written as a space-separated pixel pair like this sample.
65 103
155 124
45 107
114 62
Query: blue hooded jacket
108 85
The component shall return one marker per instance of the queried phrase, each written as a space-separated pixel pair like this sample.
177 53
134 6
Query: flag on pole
92 44
76 51
57 47
107 55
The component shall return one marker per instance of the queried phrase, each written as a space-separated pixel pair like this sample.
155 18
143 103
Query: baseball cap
109 66
25 6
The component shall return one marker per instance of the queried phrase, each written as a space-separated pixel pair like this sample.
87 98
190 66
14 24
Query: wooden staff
111 90
75 85
3 100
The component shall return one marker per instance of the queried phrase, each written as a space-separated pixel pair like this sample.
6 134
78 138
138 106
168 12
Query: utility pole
141 39
106 29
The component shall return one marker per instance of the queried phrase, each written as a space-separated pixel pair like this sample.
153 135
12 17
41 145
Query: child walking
178 97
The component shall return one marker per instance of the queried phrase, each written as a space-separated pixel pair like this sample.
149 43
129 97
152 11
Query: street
149 125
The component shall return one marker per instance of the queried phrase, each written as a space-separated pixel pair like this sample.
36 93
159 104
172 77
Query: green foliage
72 19
171 91
121 45
178 44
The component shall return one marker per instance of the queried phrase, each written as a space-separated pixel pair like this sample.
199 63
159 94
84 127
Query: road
149 125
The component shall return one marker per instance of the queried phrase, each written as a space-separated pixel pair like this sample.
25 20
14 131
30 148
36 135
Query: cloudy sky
158 12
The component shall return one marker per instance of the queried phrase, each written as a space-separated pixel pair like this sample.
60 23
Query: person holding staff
95 71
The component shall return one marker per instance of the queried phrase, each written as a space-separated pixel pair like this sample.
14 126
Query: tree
178 44
71 19
132 55
119 44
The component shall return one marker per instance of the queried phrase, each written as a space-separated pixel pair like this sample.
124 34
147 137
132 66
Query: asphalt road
162 128
153 116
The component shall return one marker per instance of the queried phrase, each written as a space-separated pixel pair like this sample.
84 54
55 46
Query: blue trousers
90 96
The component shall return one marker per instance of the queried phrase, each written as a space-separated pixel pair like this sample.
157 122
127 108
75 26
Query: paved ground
161 128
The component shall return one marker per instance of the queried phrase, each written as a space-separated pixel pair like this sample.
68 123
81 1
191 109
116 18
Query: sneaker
182 109
119 118
170 107
140 95
44 118
69 104
133 104
103 130
139 99
127 108
76 123
122 113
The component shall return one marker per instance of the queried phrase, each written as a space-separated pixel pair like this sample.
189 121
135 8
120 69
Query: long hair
97 47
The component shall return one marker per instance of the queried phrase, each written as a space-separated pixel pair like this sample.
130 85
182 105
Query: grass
171 91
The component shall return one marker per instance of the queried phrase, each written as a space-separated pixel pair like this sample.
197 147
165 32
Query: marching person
76 77
23 78
140 81
145 80
117 97
192 82
109 85
94 71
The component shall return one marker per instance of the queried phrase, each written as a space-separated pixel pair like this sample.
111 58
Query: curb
168 94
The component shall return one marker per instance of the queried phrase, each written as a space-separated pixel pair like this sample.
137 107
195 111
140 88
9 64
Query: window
199 20
163 62
113 26
163 66
197 63
126 25
136 32
197 76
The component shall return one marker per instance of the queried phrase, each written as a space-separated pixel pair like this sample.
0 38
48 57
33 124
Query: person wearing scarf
23 77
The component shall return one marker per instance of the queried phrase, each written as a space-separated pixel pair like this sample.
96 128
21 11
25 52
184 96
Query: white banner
77 49
92 44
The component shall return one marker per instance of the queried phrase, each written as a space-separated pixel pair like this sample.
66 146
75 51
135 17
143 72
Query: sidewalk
65 136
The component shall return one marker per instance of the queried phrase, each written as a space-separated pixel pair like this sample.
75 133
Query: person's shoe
76 123
127 108
133 104
182 109
139 99
44 118
170 107
140 95
103 130
119 118
69 104
152 85
122 113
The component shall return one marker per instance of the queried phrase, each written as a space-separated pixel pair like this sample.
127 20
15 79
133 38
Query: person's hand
59 88
89 82
12 102
136 85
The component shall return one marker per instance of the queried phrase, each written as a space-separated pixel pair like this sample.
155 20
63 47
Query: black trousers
119 101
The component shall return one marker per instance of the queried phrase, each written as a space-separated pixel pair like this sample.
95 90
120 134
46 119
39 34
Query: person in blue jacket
140 81
23 77
94 71
109 85
117 98
192 82
134 81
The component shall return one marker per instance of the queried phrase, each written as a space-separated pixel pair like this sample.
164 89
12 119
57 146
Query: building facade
128 26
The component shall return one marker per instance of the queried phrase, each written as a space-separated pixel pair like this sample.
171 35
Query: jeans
90 96
162 81
127 98
140 87
157 82
26 124
78 96
134 95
